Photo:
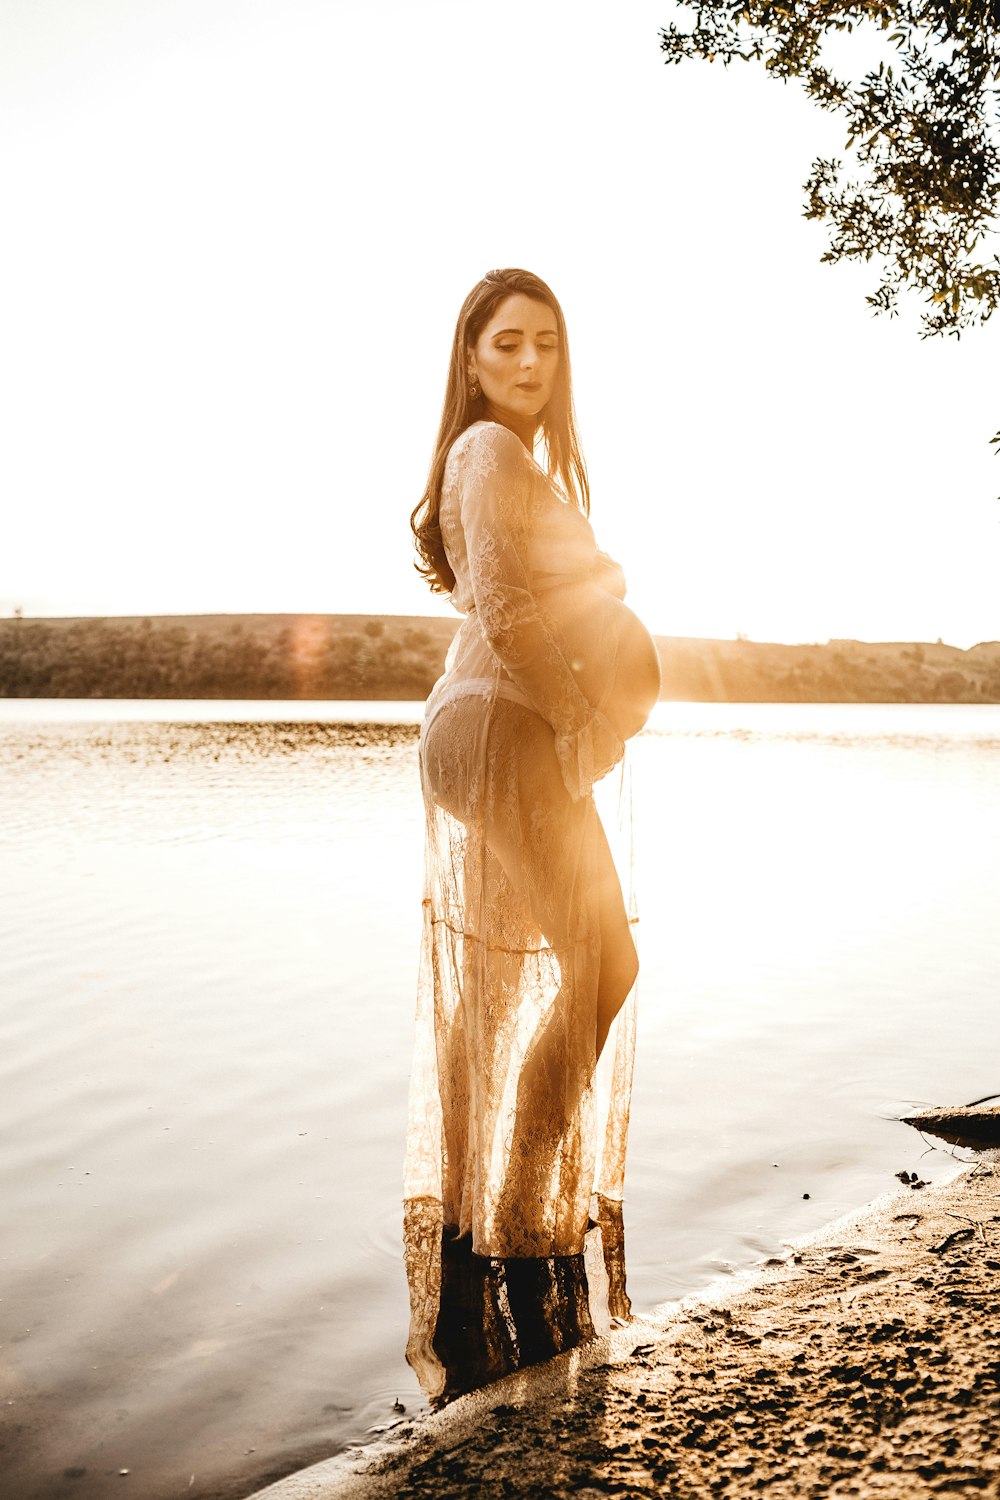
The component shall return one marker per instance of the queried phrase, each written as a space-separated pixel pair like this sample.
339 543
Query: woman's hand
610 575
589 754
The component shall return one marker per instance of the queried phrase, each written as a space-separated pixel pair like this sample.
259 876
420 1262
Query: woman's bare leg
551 818
555 1073
547 1092
537 834
554 879
619 959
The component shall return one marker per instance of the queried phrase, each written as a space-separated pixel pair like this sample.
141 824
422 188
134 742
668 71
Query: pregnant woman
527 956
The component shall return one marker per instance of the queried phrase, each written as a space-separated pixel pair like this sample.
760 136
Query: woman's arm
495 488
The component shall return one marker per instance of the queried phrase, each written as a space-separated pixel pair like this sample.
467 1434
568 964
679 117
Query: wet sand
865 1362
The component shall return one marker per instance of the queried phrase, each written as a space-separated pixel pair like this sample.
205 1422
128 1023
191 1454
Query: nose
529 357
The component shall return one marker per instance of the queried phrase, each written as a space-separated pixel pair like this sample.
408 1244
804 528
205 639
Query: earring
473 389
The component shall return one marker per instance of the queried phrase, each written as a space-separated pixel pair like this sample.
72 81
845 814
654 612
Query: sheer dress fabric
506 1138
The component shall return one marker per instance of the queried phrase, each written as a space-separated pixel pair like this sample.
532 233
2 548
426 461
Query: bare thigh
540 836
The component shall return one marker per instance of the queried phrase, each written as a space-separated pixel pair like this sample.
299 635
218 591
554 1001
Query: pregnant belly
610 651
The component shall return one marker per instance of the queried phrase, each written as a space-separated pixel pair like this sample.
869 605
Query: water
209 927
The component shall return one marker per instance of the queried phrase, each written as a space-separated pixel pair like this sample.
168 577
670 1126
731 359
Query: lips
529 385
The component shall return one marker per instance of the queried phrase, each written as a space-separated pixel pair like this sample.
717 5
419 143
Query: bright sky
236 237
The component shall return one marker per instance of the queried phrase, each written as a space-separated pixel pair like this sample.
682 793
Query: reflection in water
474 1319
207 943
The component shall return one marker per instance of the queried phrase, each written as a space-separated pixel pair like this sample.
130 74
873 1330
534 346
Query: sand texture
866 1362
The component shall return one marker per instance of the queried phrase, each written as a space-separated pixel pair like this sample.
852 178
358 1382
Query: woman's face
516 357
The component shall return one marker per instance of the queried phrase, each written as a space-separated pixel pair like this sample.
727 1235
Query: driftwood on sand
976 1124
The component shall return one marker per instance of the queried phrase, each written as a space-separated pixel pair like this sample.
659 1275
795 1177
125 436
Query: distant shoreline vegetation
401 656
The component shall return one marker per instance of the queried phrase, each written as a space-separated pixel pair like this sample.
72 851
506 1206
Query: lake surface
209 932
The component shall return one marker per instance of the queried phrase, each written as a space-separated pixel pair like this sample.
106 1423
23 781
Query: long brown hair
557 419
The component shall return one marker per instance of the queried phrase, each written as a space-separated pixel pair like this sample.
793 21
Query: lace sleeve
495 489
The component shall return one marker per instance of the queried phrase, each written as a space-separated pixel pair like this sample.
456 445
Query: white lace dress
505 1136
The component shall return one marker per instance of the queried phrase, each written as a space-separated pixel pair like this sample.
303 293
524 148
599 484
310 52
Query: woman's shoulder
490 444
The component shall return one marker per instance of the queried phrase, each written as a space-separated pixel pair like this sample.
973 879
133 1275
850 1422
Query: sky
237 236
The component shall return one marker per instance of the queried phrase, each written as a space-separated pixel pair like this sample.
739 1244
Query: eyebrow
542 333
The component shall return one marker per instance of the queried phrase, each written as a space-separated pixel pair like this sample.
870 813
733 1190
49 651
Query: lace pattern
510 1129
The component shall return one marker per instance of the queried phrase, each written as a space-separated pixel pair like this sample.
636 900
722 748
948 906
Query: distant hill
401 656
842 671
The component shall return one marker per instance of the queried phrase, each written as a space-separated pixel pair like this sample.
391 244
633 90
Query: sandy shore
865 1362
